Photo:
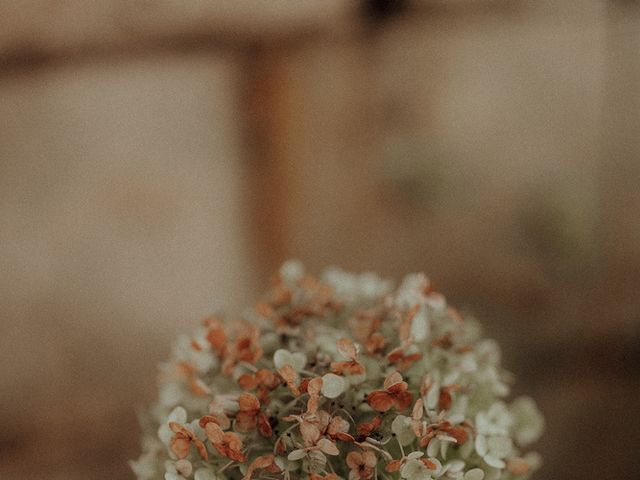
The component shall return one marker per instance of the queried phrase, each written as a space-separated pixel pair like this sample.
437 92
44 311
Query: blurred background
159 159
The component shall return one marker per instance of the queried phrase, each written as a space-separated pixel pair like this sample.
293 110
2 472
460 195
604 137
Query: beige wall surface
121 224
158 159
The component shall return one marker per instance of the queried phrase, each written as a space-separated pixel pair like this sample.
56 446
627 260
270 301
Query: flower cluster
338 377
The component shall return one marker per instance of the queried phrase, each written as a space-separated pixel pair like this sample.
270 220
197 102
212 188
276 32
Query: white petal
281 358
292 271
474 474
413 470
481 445
401 426
529 422
204 474
420 325
433 448
444 446
456 417
433 396
170 467
499 447
316 460
178 415
327 446
165 434
494 462
455 466
443 437
468 363
204 360
184 467
297 454
332 385
466 449
298 361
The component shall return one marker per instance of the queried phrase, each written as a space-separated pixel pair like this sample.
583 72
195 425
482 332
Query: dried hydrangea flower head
338 377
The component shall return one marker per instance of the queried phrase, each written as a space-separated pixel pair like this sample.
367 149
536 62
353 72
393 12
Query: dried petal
518 466
328 447
263 461
290 377
347 348
380 400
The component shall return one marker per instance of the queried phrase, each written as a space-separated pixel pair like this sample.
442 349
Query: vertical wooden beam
267 103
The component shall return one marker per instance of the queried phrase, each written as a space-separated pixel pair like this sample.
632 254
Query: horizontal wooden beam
39 31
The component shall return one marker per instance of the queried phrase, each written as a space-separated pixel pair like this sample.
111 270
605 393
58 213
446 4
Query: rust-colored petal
177 428
248 381
313 404
314 386
518 466
202 449
264 427
369 459
404 362
280 446
380 400
289 375
234 447
245 422
393 466
459 433
267 378
367 428
310 433
217 337
395 355
214 433
180 446
403 400
263 461
354 460
444 400
429 464
397 388
348 368
248 403
426 439
337 425
344 437
375 343
198 387
206 419
418 410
